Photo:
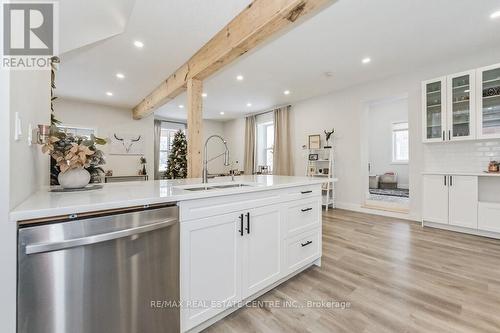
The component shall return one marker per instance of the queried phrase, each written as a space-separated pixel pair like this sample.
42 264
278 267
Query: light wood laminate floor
397 276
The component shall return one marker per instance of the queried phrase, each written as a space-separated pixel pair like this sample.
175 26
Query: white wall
381 116
30 97
234 133
108 120
7 228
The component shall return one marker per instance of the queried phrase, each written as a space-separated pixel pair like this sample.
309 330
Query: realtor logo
28 34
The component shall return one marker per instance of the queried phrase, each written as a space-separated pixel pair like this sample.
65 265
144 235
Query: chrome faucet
206 160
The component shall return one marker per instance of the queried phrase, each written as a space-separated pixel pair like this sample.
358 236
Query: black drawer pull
306 192
248 223
306 243
306 209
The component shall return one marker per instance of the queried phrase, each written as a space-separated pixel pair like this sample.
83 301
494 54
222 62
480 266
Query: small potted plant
76 157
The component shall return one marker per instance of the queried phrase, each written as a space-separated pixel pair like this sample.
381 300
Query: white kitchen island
236 243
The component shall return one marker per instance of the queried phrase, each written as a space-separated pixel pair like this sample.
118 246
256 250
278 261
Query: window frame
394 131
164 126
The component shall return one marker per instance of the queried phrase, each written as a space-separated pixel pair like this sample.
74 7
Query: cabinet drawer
489 216
303 215
303 192
303 249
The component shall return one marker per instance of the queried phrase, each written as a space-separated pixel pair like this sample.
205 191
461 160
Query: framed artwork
315 141
313 157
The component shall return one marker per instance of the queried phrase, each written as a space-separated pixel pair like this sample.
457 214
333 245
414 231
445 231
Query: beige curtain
249 166
282 157
157 131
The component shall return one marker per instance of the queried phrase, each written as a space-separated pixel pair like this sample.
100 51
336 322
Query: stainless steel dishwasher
102 274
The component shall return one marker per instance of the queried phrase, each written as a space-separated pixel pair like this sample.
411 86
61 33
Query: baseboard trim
213 320
368 210
475 232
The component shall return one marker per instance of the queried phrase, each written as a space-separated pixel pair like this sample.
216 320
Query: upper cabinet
434 109
462 106
488 94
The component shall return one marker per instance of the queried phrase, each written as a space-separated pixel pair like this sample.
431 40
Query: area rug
397 192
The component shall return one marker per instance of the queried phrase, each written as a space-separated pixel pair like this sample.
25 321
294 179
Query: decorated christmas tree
177 160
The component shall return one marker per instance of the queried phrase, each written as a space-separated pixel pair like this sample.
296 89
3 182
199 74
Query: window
168 130
77 131
265 143
400 143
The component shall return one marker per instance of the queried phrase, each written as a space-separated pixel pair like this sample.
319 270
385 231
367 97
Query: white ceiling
398 35
171 30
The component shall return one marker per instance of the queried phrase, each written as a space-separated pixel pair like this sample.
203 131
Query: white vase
74 178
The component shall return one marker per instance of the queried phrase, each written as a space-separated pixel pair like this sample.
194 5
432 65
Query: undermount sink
209 187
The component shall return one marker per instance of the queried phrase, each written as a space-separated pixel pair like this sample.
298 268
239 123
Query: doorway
387 156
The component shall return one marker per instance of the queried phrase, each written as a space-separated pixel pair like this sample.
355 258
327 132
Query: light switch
18 131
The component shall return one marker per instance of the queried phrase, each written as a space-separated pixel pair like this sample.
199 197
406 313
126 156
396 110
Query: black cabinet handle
444 136
445 180
306 209
306 243
306 192
241 225
248 223
449 134
451 180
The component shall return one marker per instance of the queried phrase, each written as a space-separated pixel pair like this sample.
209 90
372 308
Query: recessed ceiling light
109 93
221 113
249 104
204 95
286 92
240 78
139 44
495 15
181 106
366 60
120 75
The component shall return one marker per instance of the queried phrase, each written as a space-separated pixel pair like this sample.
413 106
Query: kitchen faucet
206 160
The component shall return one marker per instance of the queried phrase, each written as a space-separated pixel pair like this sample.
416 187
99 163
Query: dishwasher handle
55 246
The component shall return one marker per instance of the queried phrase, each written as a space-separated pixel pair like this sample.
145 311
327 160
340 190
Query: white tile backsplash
466 156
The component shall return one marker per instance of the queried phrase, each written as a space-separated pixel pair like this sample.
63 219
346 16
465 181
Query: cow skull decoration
127 143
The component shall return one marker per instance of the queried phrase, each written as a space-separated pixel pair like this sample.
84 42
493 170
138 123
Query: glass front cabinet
461 110
434 110
488 95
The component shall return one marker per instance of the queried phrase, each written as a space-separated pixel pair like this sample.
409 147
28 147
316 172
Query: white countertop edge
457 173
24 212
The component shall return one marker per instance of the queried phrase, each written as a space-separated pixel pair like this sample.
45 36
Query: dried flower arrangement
72 152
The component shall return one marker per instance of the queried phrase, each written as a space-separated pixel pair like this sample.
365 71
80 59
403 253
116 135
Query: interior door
210 267
463 201
262 254
461 106
434 110
435 199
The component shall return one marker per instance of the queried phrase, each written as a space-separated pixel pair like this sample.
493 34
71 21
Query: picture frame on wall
315 141
313 157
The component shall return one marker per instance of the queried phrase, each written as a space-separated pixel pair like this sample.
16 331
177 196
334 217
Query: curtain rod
268 111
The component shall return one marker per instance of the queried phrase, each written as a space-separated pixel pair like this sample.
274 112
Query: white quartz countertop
458 173
45 204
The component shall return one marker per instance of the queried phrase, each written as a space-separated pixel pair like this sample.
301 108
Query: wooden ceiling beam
256 24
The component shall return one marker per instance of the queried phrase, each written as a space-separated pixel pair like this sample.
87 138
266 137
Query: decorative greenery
53 67
177 160
71 152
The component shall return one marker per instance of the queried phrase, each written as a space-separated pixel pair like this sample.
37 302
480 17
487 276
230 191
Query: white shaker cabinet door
262 249
435 199
463 201
210 267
